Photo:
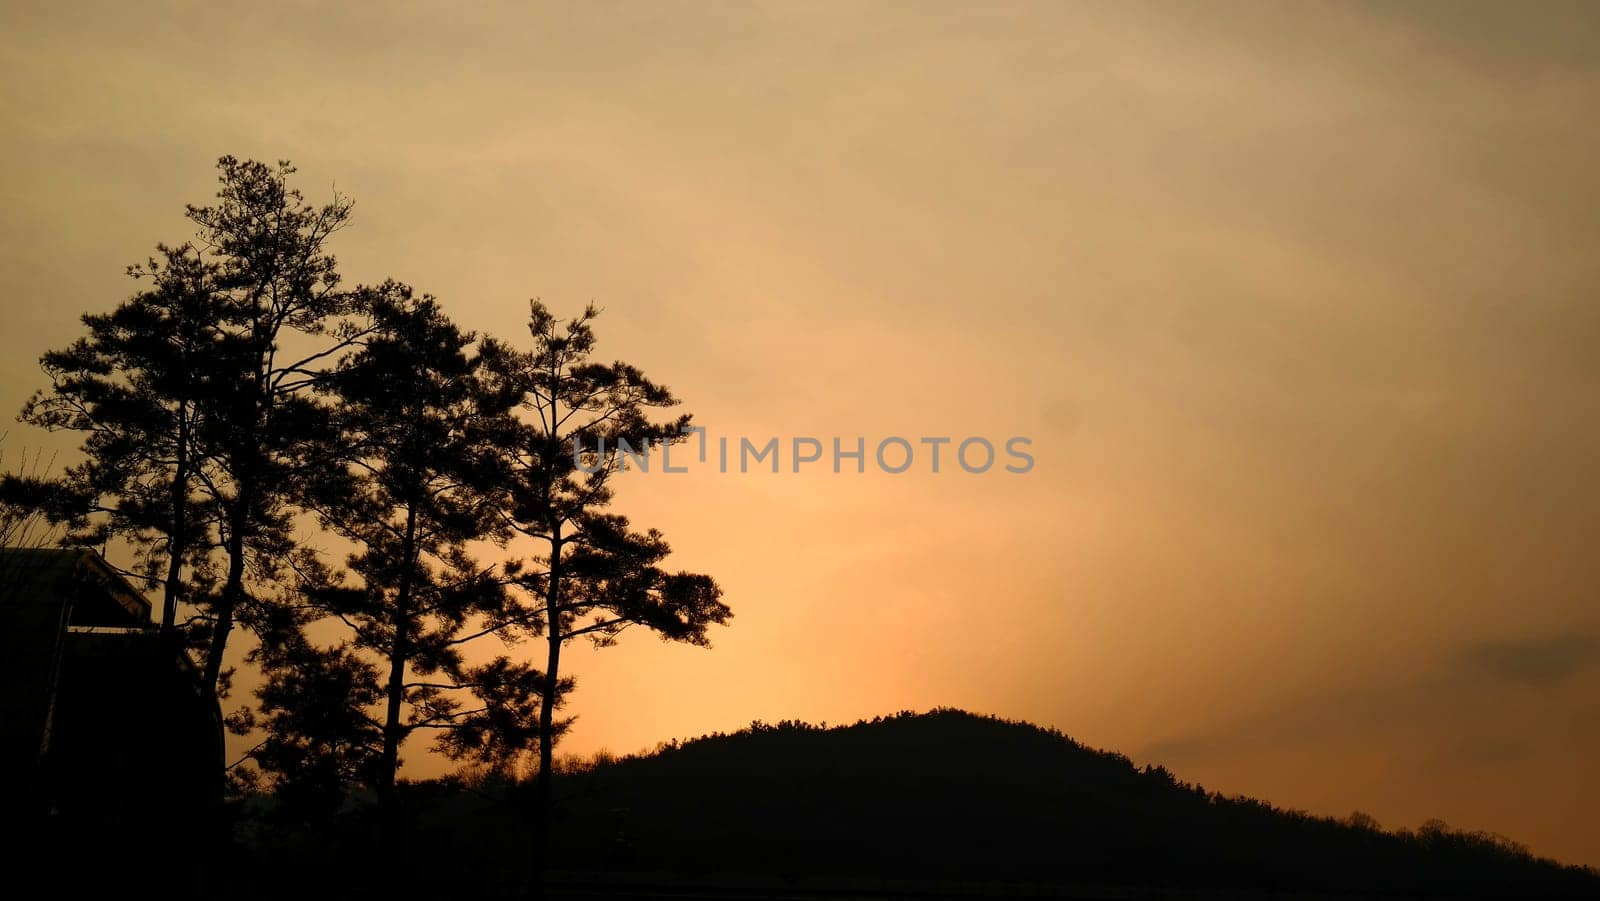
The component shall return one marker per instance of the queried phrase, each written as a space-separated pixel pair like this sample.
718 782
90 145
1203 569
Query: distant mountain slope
941 804
948 794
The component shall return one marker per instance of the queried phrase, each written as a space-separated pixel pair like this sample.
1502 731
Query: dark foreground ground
575 886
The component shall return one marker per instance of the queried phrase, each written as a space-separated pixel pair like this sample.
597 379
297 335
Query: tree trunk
177 536
547 705
399 651
239 519
232 591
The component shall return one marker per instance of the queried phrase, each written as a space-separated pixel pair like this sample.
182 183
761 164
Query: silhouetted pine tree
596 575
319 741
135 386
419 478
284 320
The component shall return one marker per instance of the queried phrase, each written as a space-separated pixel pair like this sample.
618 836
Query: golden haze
1298 305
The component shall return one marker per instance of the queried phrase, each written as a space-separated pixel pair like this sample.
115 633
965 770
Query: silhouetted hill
949 799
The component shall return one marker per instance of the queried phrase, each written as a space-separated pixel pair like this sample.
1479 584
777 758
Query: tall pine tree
284 322
135 386
595 575
421 481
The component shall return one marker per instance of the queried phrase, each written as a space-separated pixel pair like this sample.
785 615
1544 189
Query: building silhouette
103 720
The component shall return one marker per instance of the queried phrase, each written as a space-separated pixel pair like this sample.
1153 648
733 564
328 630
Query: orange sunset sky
1298 303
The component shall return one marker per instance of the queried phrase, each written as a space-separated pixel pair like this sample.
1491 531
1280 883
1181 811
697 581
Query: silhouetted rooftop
99 594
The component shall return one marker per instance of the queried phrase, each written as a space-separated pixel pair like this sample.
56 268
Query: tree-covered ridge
947 796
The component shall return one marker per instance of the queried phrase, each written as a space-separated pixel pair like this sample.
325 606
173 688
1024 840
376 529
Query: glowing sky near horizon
1298 305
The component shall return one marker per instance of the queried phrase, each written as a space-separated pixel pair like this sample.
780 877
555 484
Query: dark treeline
245 409
938 804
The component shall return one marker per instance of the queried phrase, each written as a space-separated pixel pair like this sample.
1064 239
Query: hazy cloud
1534 661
